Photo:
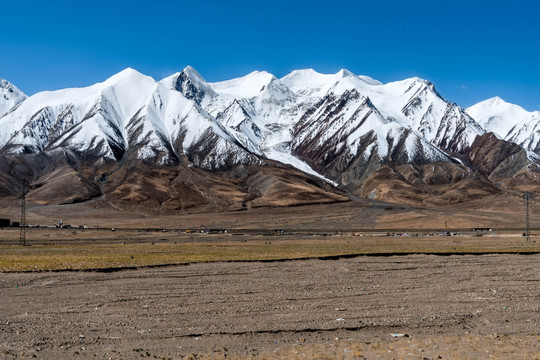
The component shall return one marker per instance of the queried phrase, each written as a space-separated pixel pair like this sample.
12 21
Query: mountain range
184 143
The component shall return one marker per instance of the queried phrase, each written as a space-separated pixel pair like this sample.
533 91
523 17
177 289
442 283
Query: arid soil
499 212
448 307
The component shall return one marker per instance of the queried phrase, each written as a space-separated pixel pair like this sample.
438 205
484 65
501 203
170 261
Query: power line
527 215
22 234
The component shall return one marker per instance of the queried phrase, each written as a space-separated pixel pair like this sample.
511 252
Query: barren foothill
363 214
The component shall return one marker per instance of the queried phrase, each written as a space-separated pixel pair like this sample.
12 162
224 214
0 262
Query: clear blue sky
472 50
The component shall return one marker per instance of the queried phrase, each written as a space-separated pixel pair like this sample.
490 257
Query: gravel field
449 307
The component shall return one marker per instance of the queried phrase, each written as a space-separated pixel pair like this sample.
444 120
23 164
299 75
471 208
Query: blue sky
472 50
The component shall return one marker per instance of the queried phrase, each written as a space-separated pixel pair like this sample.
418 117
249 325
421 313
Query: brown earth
499 211
449 307
133 186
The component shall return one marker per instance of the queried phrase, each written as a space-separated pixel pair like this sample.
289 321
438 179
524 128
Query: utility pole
22 234
527 215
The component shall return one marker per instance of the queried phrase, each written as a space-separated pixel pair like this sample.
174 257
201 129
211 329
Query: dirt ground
449 307
364 214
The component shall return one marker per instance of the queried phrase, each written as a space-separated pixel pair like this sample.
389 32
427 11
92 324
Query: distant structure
22 235
5 223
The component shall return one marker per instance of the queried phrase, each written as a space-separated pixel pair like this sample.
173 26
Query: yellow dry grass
470 346
79 251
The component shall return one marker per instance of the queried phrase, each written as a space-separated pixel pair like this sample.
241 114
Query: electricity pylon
22 234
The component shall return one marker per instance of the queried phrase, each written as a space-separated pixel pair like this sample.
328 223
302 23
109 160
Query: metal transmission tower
527 215
22 235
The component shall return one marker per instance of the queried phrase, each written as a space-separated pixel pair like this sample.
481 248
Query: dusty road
449 306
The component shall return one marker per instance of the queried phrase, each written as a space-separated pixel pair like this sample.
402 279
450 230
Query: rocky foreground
366 307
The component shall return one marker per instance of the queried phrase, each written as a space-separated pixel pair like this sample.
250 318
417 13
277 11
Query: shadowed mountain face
182 144
171 188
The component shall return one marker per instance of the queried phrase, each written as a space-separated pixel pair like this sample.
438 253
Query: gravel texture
436 306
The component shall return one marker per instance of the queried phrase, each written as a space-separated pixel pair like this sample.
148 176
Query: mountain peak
345 73
496 100
192 85
128 74
246 86
309 71
416 79
10 96
502 118
494 104
301 75
261 75
192 73
4 83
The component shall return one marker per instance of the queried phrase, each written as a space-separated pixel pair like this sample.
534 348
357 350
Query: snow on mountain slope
191 84
414 103
308 82
340 125
98 133
171 120
264 125
157 121
264 99
240 126
306 119
259 112
244 87
336 122
272 108
173 123
10 96
509 122
498 116
93 115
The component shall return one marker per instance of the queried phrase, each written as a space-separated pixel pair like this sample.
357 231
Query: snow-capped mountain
10 96
509 122
340 128
257 112
267 115
88 119
127 111
413 103
172 123
260 112
349 126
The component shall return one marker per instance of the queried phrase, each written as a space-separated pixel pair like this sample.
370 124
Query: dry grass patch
469 346
120 254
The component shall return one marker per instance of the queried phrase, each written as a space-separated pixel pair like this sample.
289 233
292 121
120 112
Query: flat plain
329 286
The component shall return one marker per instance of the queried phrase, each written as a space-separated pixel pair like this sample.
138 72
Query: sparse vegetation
135 250
438 347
